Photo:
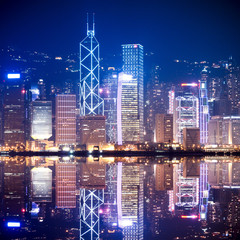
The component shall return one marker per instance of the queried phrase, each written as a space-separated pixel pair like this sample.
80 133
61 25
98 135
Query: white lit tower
90 102
203 108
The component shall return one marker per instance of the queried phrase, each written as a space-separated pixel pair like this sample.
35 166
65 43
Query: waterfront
120 198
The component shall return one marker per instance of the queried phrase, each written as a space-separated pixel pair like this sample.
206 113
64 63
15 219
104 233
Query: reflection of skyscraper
133 66
131 216
186 190
14 188
163 177
92 184
41 179
65 119
65 185
41 120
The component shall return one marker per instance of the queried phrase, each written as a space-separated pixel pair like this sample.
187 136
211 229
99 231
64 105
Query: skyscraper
186 110
65 119
90 102
132 66
203 108
41 120
109 95
14 111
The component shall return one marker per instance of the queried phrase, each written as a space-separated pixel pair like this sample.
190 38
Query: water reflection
119 198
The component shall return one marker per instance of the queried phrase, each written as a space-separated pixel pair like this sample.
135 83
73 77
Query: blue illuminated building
203 108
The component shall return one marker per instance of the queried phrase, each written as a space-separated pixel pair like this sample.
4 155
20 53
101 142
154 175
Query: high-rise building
92 130
90 102
215 130
191 138
65 119
131 215
41 120
204 109
42 90
156 101
186 110
65 185
164 128
41 179
131 93
109 95
14 111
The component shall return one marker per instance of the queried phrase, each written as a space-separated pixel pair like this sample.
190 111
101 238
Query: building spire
87 24
93 24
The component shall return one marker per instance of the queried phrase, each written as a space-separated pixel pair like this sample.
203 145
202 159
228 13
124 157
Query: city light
13 224
189 216
189 84
13 76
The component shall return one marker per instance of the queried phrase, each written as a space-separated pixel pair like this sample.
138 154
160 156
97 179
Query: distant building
164 128
41 120
191 138
65 185
215 130
92 130
42 90
41 181
65 119
130 94
14 111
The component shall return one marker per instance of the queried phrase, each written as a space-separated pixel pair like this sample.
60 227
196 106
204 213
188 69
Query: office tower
231 130
90 102
14 111
65 119
41 181
203 108
131 93
171 97
156 101
191 168
42 90
163 174
1 113
164 128
109 95
191 138
215 130
92 184
186 110
65 185
41 120
131 214
92 130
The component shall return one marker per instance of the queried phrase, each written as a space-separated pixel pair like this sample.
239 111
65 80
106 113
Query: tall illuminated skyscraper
203 108
90 102
132 93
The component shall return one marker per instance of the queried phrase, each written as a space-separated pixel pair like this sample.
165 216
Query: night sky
195 30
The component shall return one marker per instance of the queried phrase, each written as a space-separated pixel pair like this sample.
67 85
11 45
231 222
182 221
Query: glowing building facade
109 95
90 102
131 94
203 108
66 119
41 120
186 110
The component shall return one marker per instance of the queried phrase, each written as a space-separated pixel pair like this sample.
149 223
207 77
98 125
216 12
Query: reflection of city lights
13 224
191 216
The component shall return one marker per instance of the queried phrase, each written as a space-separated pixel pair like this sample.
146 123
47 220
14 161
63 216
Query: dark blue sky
189 29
